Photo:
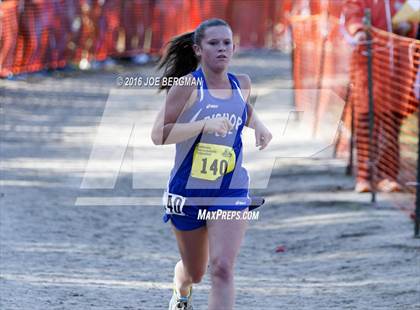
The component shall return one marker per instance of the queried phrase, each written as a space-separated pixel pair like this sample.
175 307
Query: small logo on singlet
195 116
226 153
212 106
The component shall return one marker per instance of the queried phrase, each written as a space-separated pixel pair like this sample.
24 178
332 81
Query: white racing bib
173 203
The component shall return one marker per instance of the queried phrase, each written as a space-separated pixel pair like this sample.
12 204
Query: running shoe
181 302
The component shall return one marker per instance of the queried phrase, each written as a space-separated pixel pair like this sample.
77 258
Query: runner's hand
219 125
262 136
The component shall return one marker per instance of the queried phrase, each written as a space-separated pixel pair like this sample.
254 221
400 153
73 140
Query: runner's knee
221 268
196 277
197 274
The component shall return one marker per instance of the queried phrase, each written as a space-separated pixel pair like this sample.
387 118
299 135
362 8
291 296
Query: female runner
205 120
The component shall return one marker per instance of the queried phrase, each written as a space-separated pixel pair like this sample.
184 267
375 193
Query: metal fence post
367 24
349 168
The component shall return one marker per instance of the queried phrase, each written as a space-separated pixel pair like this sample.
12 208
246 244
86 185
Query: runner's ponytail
180 58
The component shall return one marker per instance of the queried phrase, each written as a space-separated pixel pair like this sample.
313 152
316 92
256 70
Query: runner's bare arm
262 135
166 130
178 99
245 82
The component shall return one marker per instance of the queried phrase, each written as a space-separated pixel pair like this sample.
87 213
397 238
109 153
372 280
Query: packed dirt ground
316 245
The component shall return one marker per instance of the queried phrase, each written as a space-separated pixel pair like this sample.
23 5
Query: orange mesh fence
8 35
315 7
259 32
47 34
323 59
42 36
395 65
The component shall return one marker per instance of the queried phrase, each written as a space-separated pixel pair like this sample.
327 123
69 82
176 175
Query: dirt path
340 252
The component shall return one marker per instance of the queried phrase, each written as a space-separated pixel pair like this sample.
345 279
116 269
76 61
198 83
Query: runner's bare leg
225 239
194 249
